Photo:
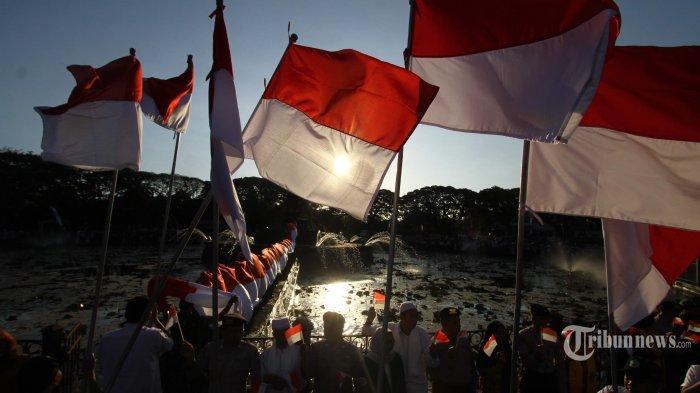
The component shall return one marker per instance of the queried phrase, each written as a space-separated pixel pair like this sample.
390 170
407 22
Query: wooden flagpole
524 169
100 270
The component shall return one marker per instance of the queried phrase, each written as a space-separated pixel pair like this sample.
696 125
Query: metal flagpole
163 232
100 270
160 285
611 321
390 270
392 239
519 263
214 297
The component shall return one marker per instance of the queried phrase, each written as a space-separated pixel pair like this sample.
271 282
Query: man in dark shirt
335 364
235 359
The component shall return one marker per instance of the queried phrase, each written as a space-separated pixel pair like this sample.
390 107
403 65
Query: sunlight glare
342 165
336 297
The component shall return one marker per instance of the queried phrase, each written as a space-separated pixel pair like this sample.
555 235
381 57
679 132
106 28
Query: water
347 273
39 287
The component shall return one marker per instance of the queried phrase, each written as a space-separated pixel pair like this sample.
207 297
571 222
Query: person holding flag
541 355
455 368
412 343
493 360
280 364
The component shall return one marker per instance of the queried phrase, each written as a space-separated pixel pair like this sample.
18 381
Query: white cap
407 306
281 323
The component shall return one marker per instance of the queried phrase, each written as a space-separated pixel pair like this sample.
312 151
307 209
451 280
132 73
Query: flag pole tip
132 51
293 38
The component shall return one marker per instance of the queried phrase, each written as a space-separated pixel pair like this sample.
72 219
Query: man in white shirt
141 371
280 364
412 342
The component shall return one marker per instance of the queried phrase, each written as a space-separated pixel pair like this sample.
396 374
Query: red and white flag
633 159
201 296
167 101
172 317
636 154
519 68
643 261
490 346
440 337
330 123
378 299
549 335
99 128
693 332
294 334
226 143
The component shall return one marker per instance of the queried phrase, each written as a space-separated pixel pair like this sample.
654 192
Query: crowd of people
184 359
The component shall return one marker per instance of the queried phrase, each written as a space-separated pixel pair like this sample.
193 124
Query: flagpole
524 168
168 202
100 269
611 320
394 214
160 285
214 296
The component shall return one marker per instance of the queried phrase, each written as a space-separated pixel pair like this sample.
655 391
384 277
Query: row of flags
330 123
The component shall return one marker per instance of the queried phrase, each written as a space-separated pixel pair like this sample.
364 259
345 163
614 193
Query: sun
342 165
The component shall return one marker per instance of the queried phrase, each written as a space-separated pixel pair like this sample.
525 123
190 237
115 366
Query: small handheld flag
293 334
549 335
490 346
379 299
440 337
172 317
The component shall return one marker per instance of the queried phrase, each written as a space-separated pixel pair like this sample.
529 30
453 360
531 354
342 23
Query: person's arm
367 328
691 384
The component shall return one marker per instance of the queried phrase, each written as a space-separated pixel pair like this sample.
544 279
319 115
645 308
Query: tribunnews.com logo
594 338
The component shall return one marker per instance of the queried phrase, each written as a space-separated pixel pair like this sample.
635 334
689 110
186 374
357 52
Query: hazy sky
38 39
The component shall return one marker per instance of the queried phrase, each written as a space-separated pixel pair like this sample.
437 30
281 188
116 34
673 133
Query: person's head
225 256
499 331
306 327
668 309
690 308
540 315
376 342
40 374
449 320
279 327
333 325
642 376
408 316
135 307
232 328
8 346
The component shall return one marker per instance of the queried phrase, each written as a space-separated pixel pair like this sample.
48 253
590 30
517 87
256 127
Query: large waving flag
643 262
99 128
520 68
226 142
634 162
636 155
330 123
167 101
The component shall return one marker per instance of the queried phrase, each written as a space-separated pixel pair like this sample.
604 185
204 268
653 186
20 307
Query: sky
38 39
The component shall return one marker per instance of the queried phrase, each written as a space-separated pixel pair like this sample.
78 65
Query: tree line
44 199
